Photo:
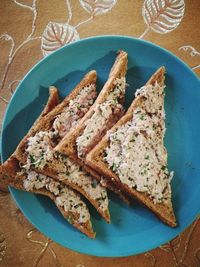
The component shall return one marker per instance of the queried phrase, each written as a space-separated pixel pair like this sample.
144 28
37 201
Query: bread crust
95 160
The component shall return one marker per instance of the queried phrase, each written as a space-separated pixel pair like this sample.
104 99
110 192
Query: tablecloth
31 30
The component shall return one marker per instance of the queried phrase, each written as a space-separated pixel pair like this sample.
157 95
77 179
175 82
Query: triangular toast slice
36 152
105 112
132 154
66 199
67 114
11 174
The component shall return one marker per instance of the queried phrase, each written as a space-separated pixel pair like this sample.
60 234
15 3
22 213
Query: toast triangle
96 157
68 145
55 165
11 174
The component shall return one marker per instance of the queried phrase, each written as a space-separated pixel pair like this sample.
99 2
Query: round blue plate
133 229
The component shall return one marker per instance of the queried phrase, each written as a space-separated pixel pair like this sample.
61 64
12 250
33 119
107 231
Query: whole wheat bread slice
11 174
84 183
45 122
67 145
95 159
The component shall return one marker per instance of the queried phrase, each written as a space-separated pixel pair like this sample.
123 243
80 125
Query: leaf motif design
97 7
190 49
174 244
57 35
163 16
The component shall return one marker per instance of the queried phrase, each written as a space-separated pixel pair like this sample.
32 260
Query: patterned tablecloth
32 29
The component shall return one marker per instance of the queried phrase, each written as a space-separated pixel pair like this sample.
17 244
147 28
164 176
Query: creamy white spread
39 149
64 196
40 153
75 111
136 152
102 113
72 172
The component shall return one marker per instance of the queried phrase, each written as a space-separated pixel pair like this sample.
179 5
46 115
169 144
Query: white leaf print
57 35
190 49
163 16
97 7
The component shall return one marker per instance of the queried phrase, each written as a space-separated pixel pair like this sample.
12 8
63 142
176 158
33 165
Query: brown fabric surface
22 25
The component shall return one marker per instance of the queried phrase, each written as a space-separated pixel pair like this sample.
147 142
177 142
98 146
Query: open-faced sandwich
104 113
68 201
133 155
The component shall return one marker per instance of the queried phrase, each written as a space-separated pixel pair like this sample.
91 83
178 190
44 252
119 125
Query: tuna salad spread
136 152
102 119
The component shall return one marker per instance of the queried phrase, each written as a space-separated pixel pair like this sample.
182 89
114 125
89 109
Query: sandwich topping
75 111
102 118
73 173
136 152
41 154
64 196
40 147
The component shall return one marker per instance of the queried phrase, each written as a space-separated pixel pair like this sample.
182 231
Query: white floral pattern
190 49
57 35
162 16
97 7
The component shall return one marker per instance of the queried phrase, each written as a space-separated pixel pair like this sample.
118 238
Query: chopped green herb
70 219
78 205
154 126
142 117
145 171
114 167
163 168
100 198
147 157
59 187
94 183
32 159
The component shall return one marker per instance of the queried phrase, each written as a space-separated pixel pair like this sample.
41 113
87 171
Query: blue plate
133 229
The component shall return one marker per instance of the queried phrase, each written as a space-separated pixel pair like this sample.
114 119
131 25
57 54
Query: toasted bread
45 122
11 174
99 161
59 167
68 144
